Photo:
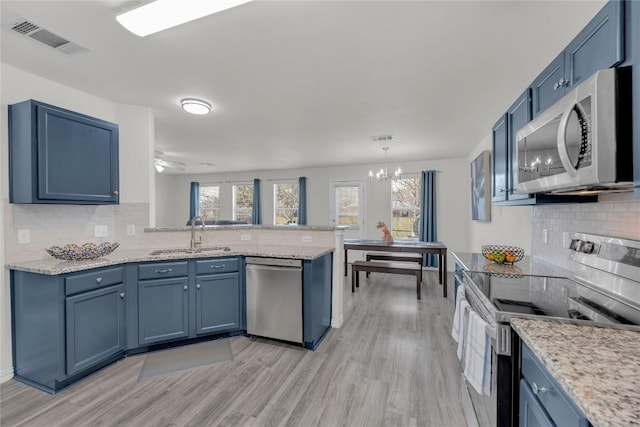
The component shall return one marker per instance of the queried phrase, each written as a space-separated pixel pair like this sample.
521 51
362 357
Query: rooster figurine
386 234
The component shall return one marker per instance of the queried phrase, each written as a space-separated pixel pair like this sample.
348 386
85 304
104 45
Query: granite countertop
599 368
528 266
54 266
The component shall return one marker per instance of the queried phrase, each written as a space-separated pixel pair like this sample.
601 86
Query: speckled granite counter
528 266
294 227
599 368
54 266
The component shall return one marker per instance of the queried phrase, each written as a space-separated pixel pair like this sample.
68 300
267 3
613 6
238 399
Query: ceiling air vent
381 138
36 32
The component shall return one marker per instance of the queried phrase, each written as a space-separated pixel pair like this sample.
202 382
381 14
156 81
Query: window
243 202
405 208
348 205
209 202
285 203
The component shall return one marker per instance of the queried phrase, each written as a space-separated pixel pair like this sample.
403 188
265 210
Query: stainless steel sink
206 249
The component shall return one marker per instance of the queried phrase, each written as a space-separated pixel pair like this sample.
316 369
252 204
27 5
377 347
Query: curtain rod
282 179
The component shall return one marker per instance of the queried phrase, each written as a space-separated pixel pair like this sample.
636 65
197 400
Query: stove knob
574 244
587 247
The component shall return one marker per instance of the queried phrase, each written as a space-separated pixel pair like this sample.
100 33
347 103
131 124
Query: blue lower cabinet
217 303
95 327
532 414
163 310
539 387
64 327
316 295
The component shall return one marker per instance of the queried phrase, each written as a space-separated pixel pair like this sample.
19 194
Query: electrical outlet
565 239
245 237
545 236
131 229
100 231
306 239
24 236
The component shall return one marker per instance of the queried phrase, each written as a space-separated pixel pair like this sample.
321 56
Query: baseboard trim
6 374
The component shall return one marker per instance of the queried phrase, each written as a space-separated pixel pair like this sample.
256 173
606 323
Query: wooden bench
394 256
385 267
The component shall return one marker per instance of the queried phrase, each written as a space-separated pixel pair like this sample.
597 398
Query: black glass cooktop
518 295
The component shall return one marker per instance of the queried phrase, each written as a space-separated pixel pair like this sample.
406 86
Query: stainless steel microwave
583 142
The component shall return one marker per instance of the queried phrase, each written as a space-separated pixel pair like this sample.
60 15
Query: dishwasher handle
273 268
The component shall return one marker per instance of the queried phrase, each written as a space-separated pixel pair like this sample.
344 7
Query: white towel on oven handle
458 315
477 354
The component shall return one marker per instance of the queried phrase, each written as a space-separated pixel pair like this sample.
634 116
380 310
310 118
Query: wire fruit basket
502 254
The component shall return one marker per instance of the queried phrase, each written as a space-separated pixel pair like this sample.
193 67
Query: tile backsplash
614 215
59 225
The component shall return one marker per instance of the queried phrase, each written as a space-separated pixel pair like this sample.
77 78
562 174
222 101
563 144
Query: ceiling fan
162 164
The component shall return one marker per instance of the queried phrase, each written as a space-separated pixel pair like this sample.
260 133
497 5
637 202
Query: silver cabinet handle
121 294
115 192
98 280
217 267
166 270
198 286
185 287
556 86
537 389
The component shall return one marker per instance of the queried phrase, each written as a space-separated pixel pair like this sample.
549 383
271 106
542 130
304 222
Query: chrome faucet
195 242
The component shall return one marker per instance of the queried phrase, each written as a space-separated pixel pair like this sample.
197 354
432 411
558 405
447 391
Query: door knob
185 287
121 294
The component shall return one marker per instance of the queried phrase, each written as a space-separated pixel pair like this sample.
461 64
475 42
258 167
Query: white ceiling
305 83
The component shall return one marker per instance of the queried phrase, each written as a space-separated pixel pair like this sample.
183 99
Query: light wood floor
393 363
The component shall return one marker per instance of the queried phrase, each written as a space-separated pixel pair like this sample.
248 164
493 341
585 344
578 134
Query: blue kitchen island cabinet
598 46
188 299
316 293
60 156
64 327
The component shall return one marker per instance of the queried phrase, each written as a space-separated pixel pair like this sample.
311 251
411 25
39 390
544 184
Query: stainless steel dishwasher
274 298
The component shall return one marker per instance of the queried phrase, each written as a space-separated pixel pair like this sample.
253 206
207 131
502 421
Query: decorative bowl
502 254
74 252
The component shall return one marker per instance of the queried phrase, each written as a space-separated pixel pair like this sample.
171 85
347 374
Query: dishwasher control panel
278 262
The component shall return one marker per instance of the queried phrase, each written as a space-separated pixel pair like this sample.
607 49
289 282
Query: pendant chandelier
383 174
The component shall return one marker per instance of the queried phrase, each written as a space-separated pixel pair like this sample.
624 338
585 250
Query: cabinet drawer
161 270
217 265
93 280
562 410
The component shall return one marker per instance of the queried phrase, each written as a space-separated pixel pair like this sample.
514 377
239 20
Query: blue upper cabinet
598 46
518 115
59 156
499 161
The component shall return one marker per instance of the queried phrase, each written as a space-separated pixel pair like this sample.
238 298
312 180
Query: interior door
347 201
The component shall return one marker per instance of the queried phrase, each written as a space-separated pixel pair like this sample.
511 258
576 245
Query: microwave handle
562 137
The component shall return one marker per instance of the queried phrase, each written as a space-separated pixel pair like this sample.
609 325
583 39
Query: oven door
496 409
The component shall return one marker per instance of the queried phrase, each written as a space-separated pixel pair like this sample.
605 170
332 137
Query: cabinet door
517 116
163 310
549 86
94 327
217 303
598 46
499 161
532 414
77 157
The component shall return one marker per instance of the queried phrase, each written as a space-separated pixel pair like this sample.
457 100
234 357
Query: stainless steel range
603 288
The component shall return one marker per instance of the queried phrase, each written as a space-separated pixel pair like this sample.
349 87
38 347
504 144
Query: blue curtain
428 223
302 203
256 213
194 201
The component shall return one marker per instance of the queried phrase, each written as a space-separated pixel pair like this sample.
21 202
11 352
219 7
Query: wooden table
402 246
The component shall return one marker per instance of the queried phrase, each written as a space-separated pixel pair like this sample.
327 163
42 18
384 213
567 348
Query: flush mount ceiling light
383 174
162 14
195 106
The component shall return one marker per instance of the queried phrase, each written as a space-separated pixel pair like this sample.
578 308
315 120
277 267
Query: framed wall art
480 187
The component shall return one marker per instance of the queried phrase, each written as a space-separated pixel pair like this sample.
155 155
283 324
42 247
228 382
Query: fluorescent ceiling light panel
162 14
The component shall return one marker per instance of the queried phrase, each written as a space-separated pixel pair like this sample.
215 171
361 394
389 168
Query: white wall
172 196
53 223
